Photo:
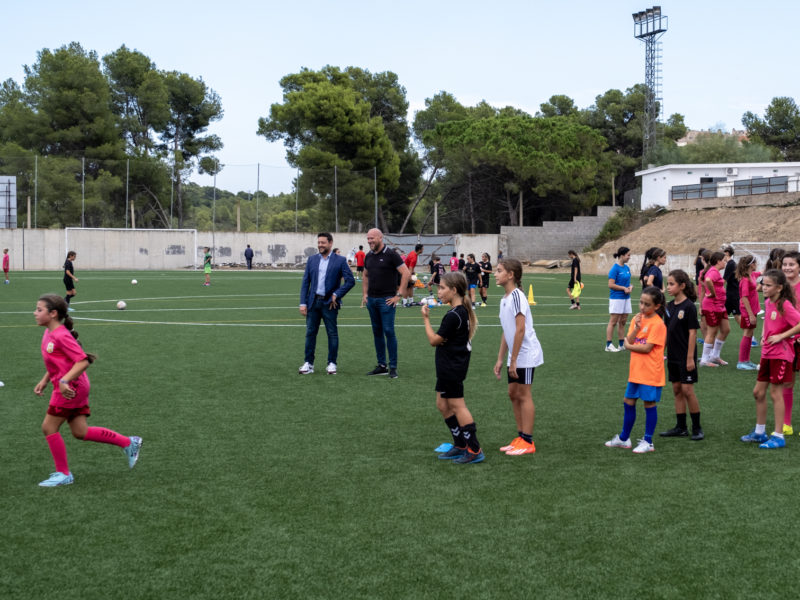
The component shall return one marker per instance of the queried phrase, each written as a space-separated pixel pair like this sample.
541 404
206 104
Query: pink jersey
710 303
453 263
60 352
748 288
6 259
775 322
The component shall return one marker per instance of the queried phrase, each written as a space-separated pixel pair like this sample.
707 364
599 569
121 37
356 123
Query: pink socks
59 452
744 349
788 400
106 436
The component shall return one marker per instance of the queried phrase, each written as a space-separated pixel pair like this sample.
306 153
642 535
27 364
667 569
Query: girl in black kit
69 278
682 326
473 273
453 349
574 277
486 269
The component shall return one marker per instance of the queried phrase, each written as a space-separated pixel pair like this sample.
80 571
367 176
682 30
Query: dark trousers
321 311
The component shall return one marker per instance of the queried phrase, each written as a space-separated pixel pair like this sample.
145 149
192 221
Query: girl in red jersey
790 265
66 364
781 322
749 307
713 309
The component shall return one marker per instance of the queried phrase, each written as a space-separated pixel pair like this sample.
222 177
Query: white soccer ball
134 282
121 305
413 277
425 278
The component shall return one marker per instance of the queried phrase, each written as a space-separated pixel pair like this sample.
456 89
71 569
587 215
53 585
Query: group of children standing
676 325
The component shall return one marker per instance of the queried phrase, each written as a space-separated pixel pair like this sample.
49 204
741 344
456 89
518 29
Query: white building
661 184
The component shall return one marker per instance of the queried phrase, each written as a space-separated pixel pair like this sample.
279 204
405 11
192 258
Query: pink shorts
714 318
68 413
775 371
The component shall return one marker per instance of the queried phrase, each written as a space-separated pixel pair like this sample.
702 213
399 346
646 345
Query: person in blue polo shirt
619 298
381 294
326 280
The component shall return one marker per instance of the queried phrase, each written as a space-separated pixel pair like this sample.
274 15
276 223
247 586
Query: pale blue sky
720 59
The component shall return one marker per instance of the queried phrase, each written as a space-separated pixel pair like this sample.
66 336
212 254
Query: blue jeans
382 317
320 310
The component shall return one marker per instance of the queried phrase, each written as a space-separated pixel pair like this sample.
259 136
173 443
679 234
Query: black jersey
680 319
575 271
452 356
472 271
382 275
68 268
485 266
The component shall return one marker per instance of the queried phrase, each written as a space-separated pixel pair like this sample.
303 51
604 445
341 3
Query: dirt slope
684 232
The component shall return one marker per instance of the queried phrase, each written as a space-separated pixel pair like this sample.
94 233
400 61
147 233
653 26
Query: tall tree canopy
779 129
352 121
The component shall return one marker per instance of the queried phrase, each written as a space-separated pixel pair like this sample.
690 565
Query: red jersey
411 261
360 258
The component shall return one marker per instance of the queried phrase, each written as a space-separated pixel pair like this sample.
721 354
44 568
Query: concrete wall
554 238
46 249
776 199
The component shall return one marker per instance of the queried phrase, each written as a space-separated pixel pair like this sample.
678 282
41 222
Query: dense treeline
119 132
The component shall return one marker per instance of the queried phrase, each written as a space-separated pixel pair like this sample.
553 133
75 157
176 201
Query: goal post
140 249
761 250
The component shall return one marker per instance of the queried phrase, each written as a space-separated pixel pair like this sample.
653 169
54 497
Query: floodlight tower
648 26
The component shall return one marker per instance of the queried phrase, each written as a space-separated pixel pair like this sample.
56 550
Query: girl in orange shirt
646 339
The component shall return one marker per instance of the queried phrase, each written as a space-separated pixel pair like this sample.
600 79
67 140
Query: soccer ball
134 282
431 301
121 305
425 278
413 277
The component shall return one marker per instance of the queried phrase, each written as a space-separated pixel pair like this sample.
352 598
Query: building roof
700 166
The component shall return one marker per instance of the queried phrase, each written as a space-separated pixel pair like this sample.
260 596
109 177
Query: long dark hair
681 277
457 281
56 303
658 298
787 293
513 266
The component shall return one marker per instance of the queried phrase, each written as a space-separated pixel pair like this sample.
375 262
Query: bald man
385 279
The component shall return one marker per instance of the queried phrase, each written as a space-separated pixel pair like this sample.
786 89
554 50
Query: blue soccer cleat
453 454
756 438
773 442
470 457
132 451
57 479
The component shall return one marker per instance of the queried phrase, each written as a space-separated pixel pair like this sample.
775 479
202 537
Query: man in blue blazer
326 280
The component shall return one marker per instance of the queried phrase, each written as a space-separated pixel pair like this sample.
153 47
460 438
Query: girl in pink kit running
66 364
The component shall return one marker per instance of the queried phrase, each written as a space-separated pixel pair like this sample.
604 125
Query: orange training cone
531 301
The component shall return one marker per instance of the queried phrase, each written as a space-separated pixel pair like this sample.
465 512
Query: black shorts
449 388
732 305
524 375
69 283
484 281
360 269
435 279
679 374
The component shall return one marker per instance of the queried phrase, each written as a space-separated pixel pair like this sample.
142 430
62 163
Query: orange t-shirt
648 369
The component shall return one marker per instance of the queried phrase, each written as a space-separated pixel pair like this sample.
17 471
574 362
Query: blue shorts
472 286
645 393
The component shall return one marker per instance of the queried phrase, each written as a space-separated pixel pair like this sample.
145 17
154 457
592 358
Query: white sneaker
611 348
331 370
615 442
306 369
643 447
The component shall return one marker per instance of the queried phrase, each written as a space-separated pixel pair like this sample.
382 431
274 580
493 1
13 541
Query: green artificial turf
255 482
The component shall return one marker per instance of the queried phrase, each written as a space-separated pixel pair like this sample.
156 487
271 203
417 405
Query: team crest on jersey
773 315
50 347
680 314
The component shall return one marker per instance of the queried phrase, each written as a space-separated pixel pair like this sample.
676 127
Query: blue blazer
338 270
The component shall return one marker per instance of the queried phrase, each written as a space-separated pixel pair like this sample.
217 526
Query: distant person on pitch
6 263
207 265
248 256
326 279
69 278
